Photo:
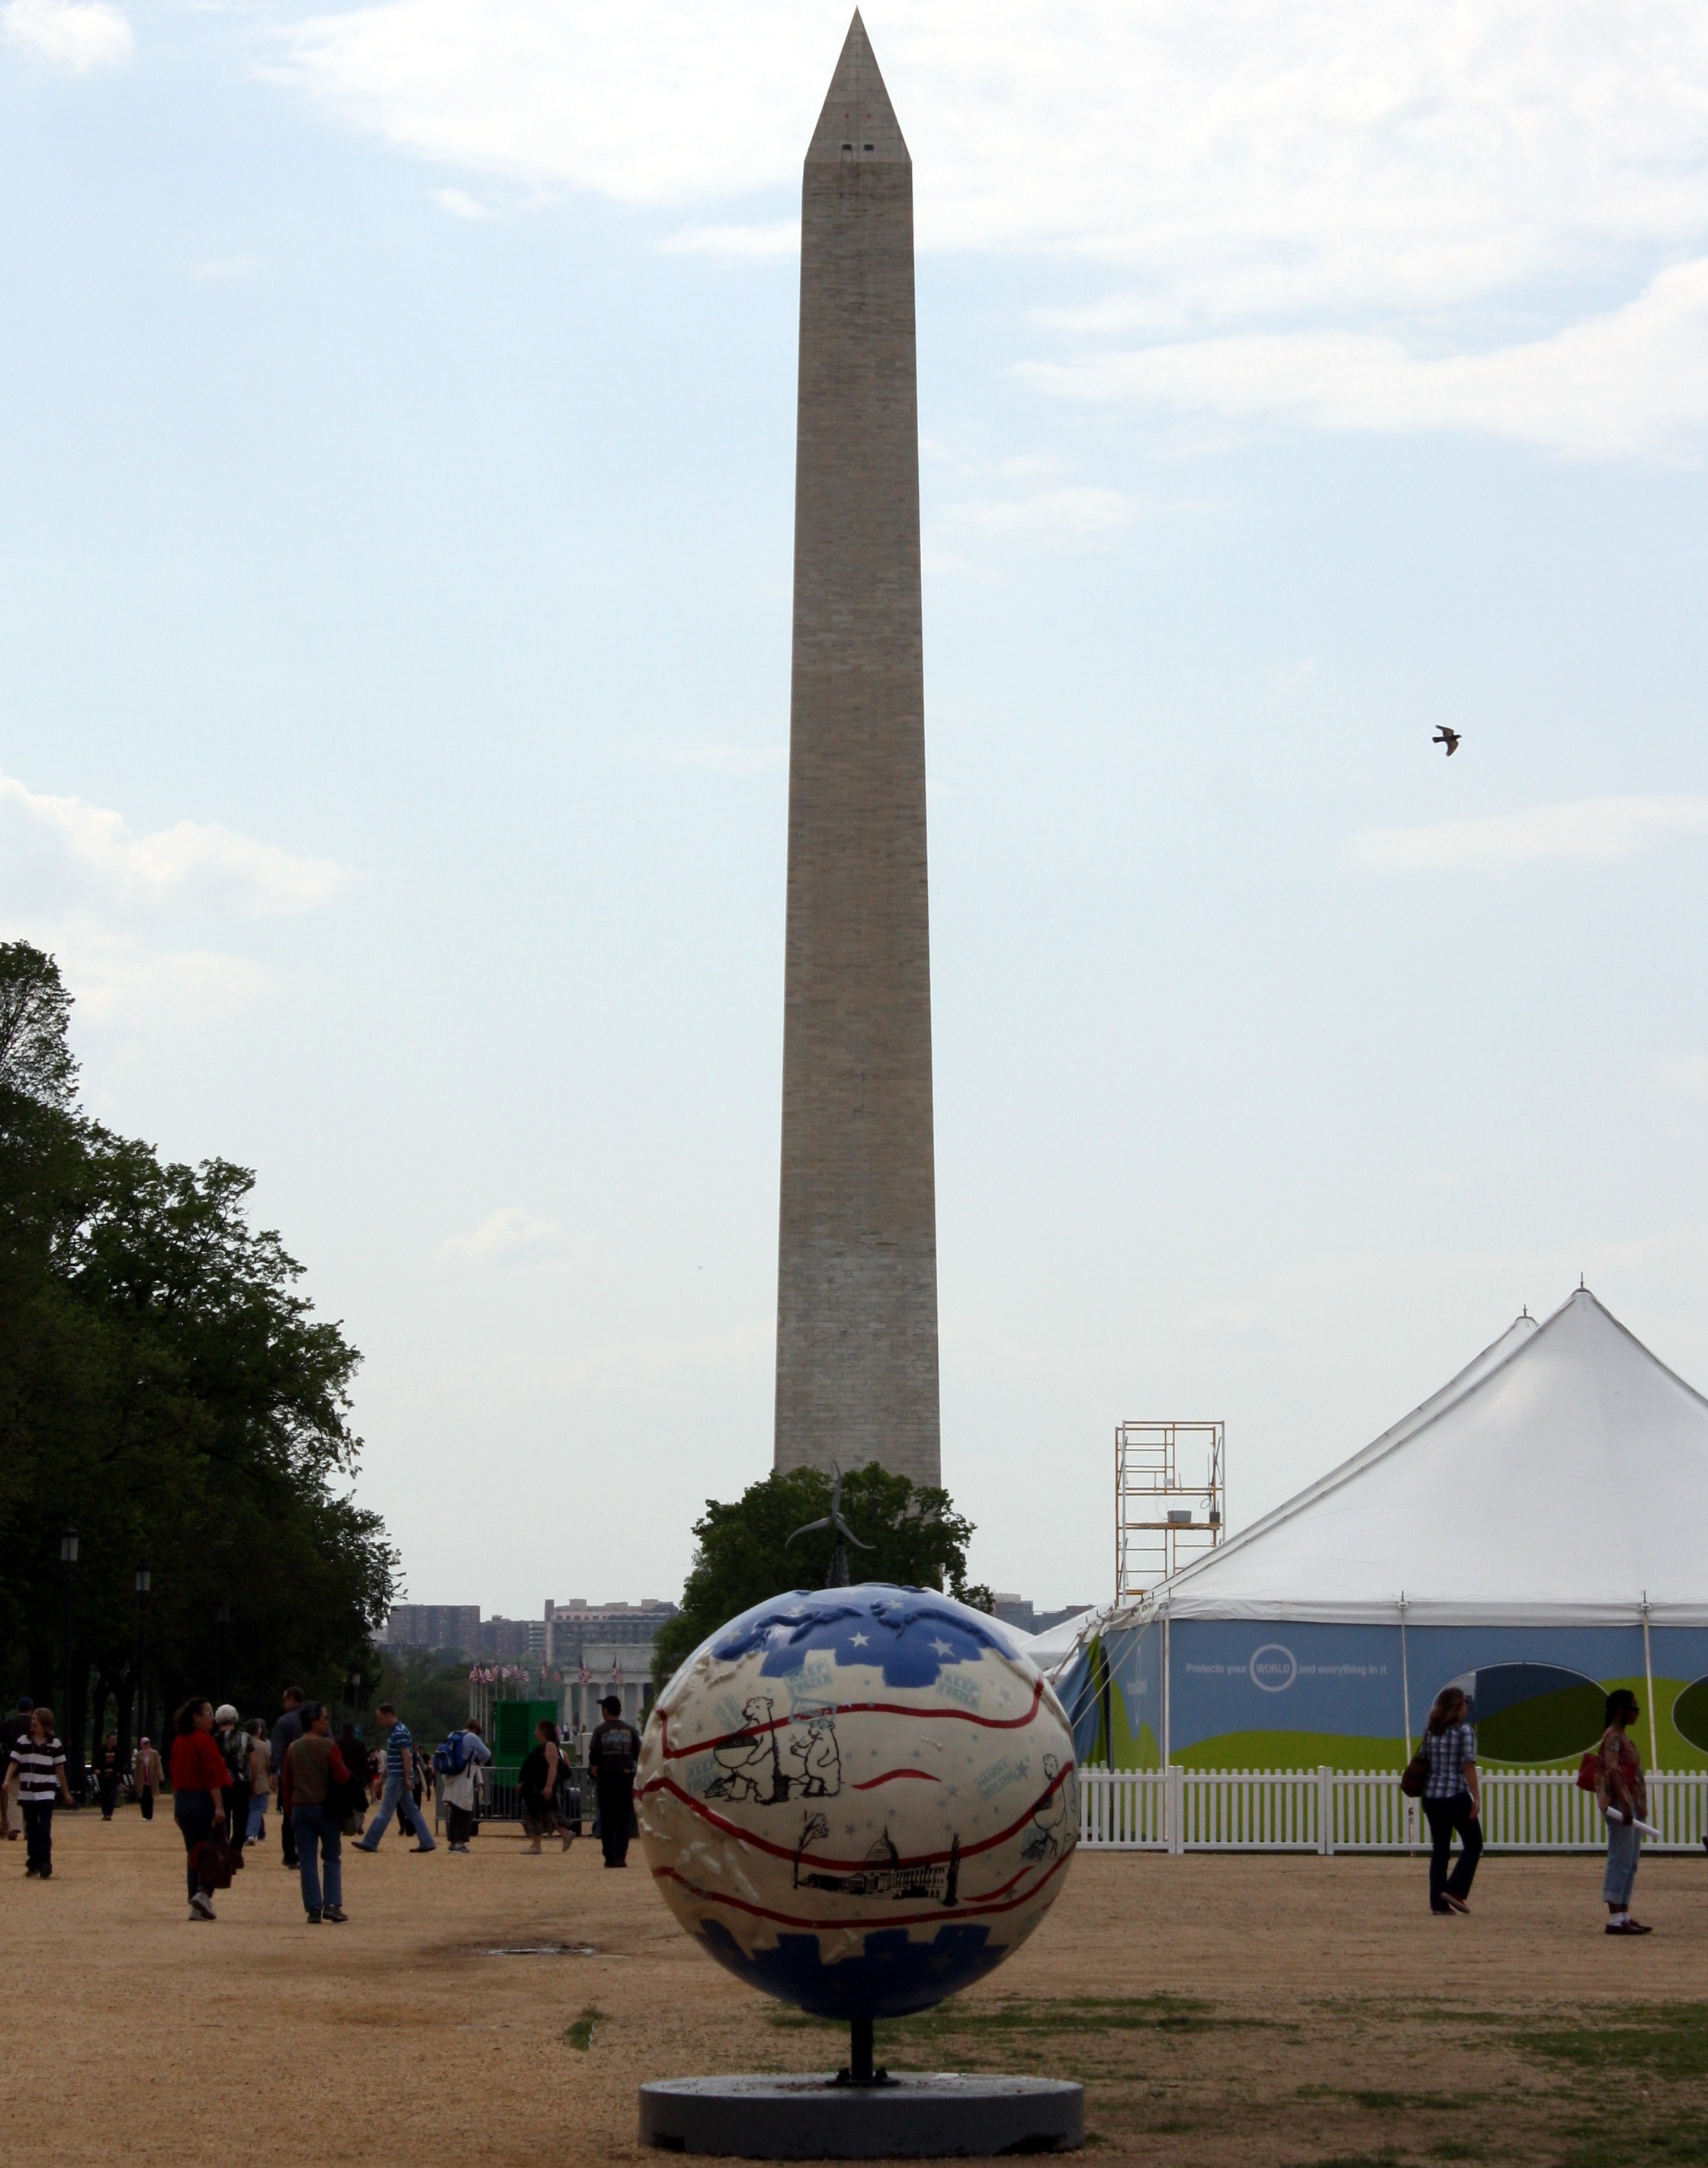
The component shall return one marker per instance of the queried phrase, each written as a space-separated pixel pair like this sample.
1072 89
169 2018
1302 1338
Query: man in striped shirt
37 1773
399 1796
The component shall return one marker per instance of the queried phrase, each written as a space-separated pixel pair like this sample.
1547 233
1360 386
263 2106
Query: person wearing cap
613 1749
237 1748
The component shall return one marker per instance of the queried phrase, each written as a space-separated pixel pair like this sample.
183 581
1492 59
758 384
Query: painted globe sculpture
859 1799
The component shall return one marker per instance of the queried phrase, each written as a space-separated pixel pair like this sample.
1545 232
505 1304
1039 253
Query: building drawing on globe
856 1341
859 1799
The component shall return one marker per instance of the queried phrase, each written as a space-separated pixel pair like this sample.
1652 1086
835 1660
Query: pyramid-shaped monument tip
858 124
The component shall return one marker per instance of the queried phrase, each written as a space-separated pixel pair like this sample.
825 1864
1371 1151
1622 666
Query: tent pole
1405 1676
1167 1739
1648 1672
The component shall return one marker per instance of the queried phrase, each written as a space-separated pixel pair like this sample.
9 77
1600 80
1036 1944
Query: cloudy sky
395 469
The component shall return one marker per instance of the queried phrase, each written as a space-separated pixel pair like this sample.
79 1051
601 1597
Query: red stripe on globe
861 1799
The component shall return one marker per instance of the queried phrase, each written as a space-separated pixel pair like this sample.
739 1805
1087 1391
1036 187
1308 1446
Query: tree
35 1057
165 1388
743 1554
429 1689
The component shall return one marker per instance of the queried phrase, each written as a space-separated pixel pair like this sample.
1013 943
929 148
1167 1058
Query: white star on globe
943 1648
858 1640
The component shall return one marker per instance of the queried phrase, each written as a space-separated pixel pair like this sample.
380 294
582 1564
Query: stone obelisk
856 1302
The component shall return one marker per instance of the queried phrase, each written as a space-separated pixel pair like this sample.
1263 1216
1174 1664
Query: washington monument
857 1297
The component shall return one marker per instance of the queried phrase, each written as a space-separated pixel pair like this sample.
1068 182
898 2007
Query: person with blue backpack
456 1761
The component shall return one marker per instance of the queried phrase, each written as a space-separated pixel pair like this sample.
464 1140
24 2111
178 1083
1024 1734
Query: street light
73 1726
144 1583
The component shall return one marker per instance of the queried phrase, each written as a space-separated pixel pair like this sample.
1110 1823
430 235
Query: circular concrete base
813 2118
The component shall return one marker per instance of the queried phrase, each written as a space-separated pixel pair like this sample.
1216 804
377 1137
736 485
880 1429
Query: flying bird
1444 737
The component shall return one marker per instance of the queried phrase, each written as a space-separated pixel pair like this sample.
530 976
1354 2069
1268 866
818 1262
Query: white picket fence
1329 1810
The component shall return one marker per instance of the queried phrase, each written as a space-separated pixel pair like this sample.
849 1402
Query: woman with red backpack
1623 1797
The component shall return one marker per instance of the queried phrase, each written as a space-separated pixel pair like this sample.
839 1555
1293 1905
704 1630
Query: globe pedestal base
912 2116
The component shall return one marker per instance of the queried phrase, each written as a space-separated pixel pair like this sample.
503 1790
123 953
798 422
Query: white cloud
76 35
121 983
1588 831
76 881
729 759
66 849
460 203
1062 517
1632 381
1457 214
745 243
507 1237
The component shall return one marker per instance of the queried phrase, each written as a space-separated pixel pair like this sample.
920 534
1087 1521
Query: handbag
210 1861
1416 1776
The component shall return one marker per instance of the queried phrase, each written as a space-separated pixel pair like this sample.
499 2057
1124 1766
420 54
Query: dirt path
1238 2011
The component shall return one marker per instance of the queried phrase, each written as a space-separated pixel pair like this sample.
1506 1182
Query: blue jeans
194 1814
317 1837
257 1818
397 1799
1623 1849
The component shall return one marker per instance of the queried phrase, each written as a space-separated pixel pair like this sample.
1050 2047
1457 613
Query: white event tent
1536 1527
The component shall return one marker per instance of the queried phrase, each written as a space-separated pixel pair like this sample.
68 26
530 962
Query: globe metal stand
860 2070
862 2113
931 2115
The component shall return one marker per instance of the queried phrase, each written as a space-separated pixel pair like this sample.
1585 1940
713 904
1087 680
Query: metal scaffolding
1163 1520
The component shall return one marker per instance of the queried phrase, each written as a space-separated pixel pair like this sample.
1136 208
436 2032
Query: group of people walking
1452 1803
223 1774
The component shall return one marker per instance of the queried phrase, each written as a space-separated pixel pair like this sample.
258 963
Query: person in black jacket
109 1774
612 1750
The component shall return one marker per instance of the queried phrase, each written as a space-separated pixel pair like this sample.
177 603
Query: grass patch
1670 2039
1074 2013
1679 2141
580 2034
1390 2103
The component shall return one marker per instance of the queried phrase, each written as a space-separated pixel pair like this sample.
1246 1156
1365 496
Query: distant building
605 1648
1019 1612
512 1640
452 1626
581 1651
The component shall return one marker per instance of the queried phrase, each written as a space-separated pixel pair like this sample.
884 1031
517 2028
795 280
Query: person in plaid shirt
1452 1800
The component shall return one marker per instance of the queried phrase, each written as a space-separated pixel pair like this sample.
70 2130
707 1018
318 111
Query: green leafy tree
166 1389
429 1689
744 1554
36 1061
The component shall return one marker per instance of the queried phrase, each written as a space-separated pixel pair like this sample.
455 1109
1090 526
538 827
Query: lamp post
144 1583
73 1730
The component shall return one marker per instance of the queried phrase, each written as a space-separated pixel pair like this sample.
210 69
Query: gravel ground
1226 2010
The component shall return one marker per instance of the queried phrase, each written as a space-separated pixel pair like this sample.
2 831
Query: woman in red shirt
199 1777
